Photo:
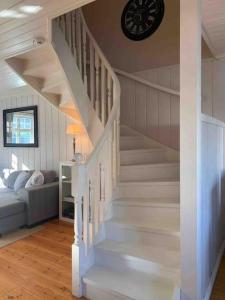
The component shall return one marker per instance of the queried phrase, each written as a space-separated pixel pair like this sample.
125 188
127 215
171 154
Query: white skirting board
214 273
177 294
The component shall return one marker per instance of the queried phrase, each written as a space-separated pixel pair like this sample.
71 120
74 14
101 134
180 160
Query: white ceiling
20 23
160 49
23 20
213 19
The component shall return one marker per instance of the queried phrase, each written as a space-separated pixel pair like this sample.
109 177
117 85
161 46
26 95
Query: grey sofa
28 207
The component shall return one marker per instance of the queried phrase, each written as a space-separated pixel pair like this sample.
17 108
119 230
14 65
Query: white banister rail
93 193
148 83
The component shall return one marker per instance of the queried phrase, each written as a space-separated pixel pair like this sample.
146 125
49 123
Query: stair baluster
97 183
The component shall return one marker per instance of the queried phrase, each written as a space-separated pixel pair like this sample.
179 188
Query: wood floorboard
38 267
219 286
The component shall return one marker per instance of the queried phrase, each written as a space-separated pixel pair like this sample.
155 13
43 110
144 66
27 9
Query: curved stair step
160 233
160 261
168 170
106 283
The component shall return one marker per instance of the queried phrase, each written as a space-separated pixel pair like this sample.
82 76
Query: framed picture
20 127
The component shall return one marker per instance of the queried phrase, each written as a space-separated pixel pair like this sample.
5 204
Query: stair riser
142 173
135 143
122 234
145 212
142 157
145 191
130 263
94 293
125 131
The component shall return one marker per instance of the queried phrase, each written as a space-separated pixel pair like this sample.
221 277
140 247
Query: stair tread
144 150
166 226
160 181
157 164
167 257
157 202
134 285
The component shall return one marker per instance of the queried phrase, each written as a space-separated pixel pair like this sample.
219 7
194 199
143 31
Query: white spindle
79 43
92 74
68 30
97 100
103 93
84 45
109 93
79 221
93 182
74 33
64 25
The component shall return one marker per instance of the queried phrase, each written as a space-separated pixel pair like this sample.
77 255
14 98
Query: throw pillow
36 179
49 176
21 180
11 179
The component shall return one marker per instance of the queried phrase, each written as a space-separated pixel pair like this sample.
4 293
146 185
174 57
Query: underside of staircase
140 255
41 70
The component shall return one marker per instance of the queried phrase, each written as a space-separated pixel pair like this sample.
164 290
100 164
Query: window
20 127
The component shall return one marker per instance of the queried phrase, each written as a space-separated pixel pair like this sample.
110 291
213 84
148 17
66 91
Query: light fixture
31 9
11 14
75 130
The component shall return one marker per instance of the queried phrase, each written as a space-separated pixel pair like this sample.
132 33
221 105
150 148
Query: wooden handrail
147 83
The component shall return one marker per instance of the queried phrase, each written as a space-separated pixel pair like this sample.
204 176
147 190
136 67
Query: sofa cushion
10 205
10 180
49 176
21 180
36 179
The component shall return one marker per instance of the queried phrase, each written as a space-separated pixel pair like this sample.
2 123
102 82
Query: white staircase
139 256
126 194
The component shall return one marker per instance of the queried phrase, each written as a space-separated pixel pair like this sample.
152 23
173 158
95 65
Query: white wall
213 84
149 111
212 200
54 144
157 114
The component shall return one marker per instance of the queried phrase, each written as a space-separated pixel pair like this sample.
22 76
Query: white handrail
147 83
96 178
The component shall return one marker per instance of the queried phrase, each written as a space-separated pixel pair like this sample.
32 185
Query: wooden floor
39 266
219 287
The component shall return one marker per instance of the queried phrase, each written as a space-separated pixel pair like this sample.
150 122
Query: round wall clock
141 18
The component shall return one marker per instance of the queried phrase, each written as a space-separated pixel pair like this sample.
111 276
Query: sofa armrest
42 202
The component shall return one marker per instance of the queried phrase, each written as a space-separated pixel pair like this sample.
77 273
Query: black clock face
141 18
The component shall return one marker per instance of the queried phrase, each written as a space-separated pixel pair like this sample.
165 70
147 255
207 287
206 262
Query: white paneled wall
151 112
156 114
54 144
212 199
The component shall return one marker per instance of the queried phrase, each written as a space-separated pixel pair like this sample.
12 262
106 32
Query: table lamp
75 130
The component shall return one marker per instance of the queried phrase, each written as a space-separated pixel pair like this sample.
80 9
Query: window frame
21 109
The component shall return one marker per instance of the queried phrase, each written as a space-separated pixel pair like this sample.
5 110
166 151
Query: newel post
78 190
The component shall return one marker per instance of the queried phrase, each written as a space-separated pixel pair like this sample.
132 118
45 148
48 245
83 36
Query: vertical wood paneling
140 106
150 111
54 144
212 198
163 110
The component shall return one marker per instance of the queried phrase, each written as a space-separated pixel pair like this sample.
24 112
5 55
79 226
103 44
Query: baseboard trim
215 271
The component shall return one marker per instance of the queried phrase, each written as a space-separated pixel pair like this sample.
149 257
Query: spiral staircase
127 192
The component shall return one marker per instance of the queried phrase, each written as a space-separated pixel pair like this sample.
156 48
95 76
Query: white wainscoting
212 200
54 144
